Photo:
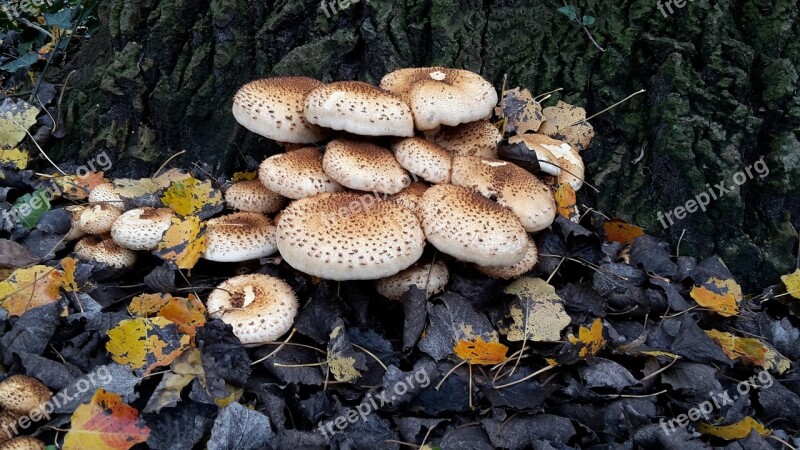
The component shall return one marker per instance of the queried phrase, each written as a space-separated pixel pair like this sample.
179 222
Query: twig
610 107
527 377
439 384
18 125
371 354
283 344
167 162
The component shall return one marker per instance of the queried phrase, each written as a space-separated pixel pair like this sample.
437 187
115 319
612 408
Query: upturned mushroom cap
424 159
273 108
419 275
359 108
570 164
141 228
102 249
260 308
543 146
462 223
511 186
106 193
517 270
252 196
23 443
239 236
471 139
297 174
98 218
346 236
22 394
567 123
364 167
409 197
75 232
442 96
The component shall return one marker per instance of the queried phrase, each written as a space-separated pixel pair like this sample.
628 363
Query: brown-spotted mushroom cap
239 236
106 193
567 123
442 96
141 228
260 308
517 270
253 196
510 186
462 223
364 167
23 443
8 420
434 276
22 394
75 231
102 249
359 108
297 174
471 139
273 108
98 218
345 236
409 197
424 159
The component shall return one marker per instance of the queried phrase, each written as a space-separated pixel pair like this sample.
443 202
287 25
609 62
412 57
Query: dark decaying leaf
31 333
111 377
653 255
317 317
372 432
466 438
521 112
654 436
524 396
292 355
451 320
778 402
344 363
53 374
224 358
617 417
581 300
415 315
240 428
161 279
414 429
604 373
520 155
180 427
15 255
525 431
693 343
692 379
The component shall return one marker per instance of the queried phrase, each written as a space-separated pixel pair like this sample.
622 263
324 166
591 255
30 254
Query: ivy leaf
30 288
105 423
61 19
146 343
30 207
588 20
569 11
23 62
183 243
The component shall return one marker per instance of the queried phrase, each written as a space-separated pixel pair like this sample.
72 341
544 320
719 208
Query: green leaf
23 62
569 11
588 20
30 207
61 19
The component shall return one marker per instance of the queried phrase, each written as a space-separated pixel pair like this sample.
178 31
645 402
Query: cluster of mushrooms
411 162
22 401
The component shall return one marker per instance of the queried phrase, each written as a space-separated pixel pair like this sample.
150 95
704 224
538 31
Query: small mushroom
470 139
442 96
433 276
23 443
517 270
273 108
108 194
364 167
359 108
98 218
22 394
75 232
103 249
252 196
260 308
239 236
424 159
141 228
297 174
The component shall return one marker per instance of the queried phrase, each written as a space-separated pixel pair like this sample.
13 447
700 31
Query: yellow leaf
15 120
183 243
537 314
17 158
567 123
30 288
187 313
591 339
720 296
245 176
738 430
105 423
78 187
478 351
792 282
617 230
146 343
129 188
522 113
750 350
191 196
566 201
68 283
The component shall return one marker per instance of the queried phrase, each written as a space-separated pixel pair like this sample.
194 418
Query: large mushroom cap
442 96
409 197
141 228
239 236
423 158
364 167
433 276
511 186
517 270
359 108
22 394
346 236
462 223
273 108
102 249
297 174
98 218
470 139
23 443
108 194
259 308
253 196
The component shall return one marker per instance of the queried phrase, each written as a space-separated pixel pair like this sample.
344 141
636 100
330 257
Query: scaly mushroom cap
410 197
346 236
273 108
141 228
75 232
462 223
23 443
517 270
102 249
567 123
471 139
424 159
442 96
297 174
98 218
106 193
252 196
22 394
239 236
359 108
511 186
419 275
8 420
260 308
364 167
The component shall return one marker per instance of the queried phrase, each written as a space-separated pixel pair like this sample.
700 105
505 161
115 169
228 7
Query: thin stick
781 441
8 116
439 384
546 94
283 344
471 406
610 107
167 162
674 360
554 272
526 378
373 356
678 247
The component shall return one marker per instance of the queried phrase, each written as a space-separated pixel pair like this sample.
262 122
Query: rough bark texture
721 80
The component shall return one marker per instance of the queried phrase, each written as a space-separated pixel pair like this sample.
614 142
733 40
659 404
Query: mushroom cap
240 236
517 270
410 196
260 308
106 193
359 108
510 186
567 123
22 394
102 249
75 232
470 139
345 236
364 167
567 163
141 228
423 158
98 218
23 443
442 96
273 108
252 196
8 420
462 223
418 275
297 174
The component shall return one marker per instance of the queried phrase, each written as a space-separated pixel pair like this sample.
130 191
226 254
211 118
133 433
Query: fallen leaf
30 207
132 188
16 117
750 350
536 314
481 352
192 197
146 343
105 424
183 243
68 282
617 230
184 370
30 288
738 430
567 123
720 296
244 176
566 201
187 313
522 113
590 339
78 187
14 157
344 363
15 255
792 283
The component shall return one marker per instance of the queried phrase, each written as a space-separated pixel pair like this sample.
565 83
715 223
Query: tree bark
721 80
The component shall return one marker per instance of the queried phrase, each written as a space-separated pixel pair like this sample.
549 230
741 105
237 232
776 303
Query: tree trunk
721 80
